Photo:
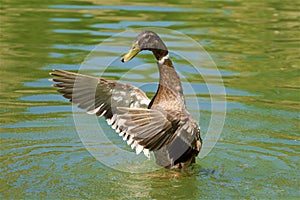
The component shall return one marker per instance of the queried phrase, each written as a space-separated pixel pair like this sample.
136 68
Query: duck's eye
134 46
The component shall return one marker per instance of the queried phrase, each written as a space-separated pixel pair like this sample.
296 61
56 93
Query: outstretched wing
97 95
101 97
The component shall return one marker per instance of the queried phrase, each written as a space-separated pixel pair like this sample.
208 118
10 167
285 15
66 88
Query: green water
255 46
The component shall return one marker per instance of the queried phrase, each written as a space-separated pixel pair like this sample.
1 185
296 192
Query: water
255 46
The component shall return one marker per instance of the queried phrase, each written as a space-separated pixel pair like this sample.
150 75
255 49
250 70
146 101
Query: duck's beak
132 52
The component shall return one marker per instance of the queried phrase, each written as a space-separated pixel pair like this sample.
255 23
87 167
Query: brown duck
162 125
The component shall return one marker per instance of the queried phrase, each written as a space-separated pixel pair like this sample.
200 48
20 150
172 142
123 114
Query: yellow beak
132 52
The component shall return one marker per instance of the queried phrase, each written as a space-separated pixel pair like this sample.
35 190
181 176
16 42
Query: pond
254 45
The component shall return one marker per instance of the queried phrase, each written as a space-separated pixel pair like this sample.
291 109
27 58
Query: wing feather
97 95
149 128
102 97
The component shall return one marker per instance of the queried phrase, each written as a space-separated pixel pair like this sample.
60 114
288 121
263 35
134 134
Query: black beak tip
122 60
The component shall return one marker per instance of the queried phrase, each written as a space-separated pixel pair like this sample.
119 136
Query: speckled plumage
162 125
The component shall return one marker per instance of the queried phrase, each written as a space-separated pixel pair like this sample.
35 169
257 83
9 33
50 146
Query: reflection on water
255 46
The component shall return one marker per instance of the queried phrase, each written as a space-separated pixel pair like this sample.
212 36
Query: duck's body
161 125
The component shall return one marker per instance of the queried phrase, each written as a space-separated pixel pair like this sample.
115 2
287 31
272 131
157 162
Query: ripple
127 8
126 24
65 19
43 98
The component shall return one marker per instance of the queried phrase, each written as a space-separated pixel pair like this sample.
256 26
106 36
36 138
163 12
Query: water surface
255 46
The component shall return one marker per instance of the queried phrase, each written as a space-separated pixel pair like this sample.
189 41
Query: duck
161 125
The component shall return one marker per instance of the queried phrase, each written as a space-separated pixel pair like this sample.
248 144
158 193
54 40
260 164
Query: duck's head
147 40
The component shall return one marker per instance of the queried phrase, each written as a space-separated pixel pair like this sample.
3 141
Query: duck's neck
169 89
168 78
